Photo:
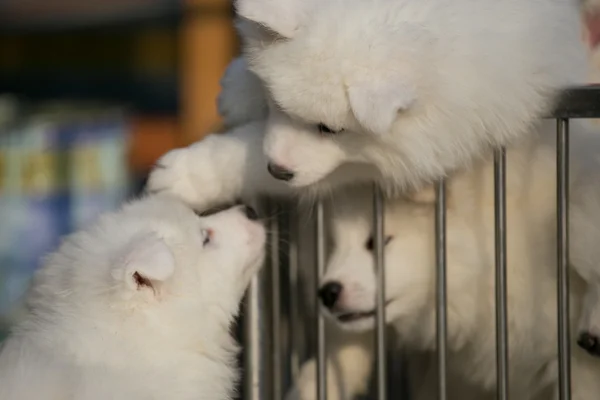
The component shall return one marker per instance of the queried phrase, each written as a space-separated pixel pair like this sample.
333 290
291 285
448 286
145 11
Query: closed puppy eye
206 236
325 130
370 245
214 210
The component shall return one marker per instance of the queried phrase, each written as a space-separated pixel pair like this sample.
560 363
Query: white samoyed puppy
136 307
347 290
416 88
401 92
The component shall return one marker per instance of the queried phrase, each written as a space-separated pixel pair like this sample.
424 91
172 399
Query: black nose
330 293
251 213
589 343
280 173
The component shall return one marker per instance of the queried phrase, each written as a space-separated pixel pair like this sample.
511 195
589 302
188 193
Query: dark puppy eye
213 210
370 245
325 130
206 236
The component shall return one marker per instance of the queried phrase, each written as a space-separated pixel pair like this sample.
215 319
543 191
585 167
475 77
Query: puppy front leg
220 168
349 365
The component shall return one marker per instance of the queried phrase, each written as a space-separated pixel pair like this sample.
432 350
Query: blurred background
91 94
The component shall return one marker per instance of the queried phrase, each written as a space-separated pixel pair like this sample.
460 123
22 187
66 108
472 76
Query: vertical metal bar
379 236
320 270
564 353
295 329
440 253
501 283
256 368
274 265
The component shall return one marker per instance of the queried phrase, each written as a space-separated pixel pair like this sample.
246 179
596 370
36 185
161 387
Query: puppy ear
280 16
145 263
376 104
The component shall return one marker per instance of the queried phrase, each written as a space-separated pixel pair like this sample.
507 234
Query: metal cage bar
256 368
441 287
275 307
320 326
500 251
380 339
295 325
562 208
579 102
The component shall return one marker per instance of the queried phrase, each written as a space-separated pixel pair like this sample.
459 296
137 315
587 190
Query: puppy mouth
353 316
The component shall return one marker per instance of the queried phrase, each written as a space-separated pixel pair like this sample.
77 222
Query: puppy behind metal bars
410 275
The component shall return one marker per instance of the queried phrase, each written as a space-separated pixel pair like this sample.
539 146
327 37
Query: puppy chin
307 179
365 324
362 325
252 268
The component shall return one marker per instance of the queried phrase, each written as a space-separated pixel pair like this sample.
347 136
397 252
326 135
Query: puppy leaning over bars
410 271
388 115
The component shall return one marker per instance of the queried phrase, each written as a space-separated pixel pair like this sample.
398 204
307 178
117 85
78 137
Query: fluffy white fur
410 277
426 92
419 88
136 307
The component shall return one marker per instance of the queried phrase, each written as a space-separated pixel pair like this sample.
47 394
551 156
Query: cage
282 324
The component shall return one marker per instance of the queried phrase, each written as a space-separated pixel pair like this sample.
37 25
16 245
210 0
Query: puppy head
323 69
348 289
205 256
306 152
336 89
430 86
155 267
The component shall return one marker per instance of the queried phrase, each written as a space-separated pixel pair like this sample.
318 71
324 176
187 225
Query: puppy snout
589 343
280 173
330 293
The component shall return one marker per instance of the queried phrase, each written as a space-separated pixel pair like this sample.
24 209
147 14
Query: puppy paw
187 174
171 174
242 97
